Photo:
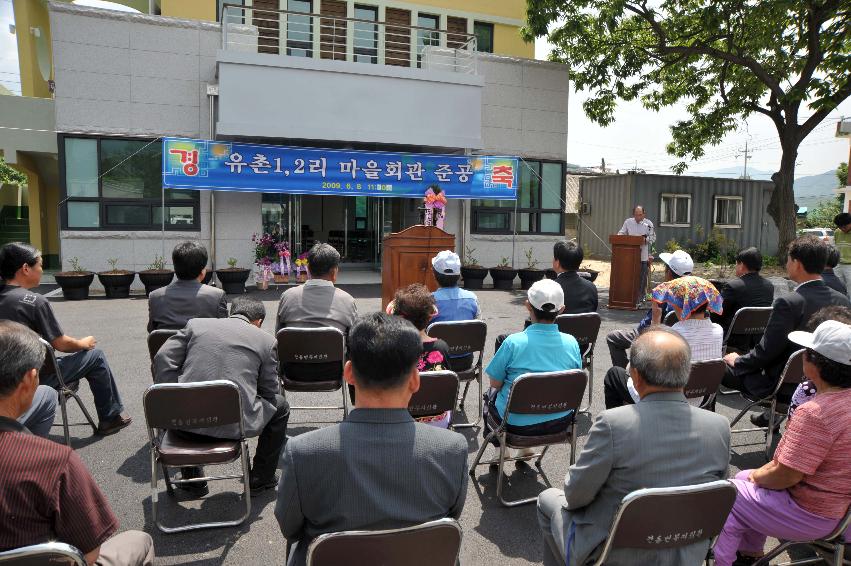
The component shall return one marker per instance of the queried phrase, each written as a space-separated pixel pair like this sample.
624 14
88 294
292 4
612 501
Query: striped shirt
46 493
817 443
704 337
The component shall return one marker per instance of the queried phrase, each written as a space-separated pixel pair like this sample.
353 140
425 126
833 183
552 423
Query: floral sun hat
687 294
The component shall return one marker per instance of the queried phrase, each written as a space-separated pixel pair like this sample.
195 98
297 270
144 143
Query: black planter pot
589 274
503 277
474 277
551 273
208 277
529 276
116 285
75 287
233 280
155 278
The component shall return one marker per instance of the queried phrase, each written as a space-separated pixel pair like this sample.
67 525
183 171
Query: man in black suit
580 294
748 289
756 373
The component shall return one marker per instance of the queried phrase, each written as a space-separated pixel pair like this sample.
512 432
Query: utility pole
747 155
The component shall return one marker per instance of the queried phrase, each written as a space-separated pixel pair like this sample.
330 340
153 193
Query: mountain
733 173
809 189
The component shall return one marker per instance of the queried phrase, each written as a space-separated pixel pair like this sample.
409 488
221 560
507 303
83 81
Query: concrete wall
31 114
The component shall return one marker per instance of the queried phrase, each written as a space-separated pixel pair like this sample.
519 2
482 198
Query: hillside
809 189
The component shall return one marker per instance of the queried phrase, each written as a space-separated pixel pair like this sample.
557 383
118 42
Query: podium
406 258
626 271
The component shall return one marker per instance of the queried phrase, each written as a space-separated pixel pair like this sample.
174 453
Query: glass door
280 213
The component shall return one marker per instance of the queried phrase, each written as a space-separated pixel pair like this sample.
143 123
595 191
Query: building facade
381 76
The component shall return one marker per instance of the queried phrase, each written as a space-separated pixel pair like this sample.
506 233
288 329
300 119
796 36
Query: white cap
447 263
832 339
546 295
679 262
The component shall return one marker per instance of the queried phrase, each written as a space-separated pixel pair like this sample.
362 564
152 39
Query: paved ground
492 534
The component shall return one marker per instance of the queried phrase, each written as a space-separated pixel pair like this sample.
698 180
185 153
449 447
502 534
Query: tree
727 59
10 176
842 174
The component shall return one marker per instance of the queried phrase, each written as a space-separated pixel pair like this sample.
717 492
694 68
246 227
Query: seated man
677 264
580 294
21 268
172 306
748 289
46 493
842 240
539 348
805 491
452 302
660 442
756 373
235 349
378 469
828 276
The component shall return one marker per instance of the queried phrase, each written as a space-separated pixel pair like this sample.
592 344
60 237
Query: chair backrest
547 392
704 378
462 336
584 327
54 553
748 321
436 543
438 393
193 405
793 371
669 517
311 345
671 318
50 366
157 338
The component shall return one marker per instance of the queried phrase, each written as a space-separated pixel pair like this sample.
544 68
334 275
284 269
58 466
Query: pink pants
760 513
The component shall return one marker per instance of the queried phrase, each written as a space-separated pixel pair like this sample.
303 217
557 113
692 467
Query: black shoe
761 420
113 425
744 560
257 486
197 489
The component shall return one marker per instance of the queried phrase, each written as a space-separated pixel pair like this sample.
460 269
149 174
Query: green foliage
232 261
842 174
530 261
504 262
770 261
74 262
10 176
158 263
469 259
716 248
672 245
821 216
113 261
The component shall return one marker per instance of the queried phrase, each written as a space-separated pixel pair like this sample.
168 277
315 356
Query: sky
9 74
639 136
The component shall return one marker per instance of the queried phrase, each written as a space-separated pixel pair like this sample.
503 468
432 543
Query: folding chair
585 328
54 553
669 517
324 345
464 337
670 319
831 548
793 372
65 390
748 322
156 339
436 543
438 393
704 379
535 394
170 406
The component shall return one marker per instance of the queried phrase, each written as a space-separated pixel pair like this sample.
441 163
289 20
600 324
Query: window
428 34
366 35
676 210
300 28
540 195
484 36
728 212
234 15
116 184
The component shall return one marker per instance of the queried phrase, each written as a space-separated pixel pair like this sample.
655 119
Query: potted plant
116 282
301 268
503 275
473 273
530 273
75 283
156 275
588 273
233 278
281 269
262 275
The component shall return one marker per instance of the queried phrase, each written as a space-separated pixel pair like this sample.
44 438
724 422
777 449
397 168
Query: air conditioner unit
843 129
585 208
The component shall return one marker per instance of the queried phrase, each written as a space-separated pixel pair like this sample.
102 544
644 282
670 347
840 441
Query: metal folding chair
749 322
309 346
438 393
187 406
670 319
704 380
534 394
585 328
436 543
156 339
831 548
669 517
793 372
464 337
65 390
53 553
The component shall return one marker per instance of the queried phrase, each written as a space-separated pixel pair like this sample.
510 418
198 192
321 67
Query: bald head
662 358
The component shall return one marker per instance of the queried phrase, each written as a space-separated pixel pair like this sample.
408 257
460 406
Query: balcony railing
324 36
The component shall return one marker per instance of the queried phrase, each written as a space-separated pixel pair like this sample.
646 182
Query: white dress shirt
644 228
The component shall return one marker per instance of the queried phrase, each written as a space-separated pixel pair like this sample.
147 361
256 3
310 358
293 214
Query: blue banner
227 166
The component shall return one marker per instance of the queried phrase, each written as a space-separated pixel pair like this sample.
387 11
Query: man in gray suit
172 306
235 349
662 441
378 469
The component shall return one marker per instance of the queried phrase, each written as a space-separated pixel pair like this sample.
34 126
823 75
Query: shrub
672 245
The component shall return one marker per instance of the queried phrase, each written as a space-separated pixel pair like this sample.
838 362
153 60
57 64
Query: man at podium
638 225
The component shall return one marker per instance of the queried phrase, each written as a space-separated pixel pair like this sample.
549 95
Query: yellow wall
507 41
42 201
189 9
503 8
29 14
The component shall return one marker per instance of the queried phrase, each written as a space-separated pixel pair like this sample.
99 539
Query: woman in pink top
805 491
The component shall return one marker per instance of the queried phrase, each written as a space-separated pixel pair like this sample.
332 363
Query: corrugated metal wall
608 202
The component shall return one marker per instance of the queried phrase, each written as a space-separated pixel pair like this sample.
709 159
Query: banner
230 166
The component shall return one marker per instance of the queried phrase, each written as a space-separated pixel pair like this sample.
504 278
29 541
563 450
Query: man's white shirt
644 228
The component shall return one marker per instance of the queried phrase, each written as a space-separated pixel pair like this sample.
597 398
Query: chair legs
837 559
590 371
64 393
771 405
481 404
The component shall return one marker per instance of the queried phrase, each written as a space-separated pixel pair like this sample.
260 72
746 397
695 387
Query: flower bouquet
281 269
435 205
262 274
301 268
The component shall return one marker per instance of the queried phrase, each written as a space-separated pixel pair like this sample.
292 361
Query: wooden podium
406 258
626 271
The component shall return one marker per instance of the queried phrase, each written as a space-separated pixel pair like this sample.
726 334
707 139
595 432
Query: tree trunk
781 207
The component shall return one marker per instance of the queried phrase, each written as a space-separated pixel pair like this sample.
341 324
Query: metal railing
318 36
